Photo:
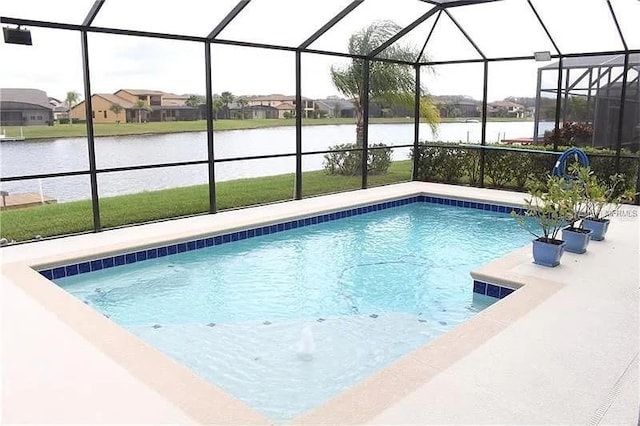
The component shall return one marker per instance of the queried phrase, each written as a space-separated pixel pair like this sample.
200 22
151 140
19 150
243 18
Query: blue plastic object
599 228
577 241
560 169
547 254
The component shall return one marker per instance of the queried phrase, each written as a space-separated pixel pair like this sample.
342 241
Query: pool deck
563 349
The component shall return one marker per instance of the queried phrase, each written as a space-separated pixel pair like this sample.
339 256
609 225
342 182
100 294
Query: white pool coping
561 350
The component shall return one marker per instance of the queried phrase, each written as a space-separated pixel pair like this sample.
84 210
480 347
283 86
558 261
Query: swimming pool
367 288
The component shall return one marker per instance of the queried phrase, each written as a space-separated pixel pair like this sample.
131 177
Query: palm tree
389 82
243 102
194 100
116 108
337 110
226 98
140 106
217 107
71 100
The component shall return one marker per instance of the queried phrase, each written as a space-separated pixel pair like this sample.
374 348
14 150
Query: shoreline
64 131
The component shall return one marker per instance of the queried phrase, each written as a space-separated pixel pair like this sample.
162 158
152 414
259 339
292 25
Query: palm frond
390 82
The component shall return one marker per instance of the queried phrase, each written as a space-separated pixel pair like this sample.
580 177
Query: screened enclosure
566 70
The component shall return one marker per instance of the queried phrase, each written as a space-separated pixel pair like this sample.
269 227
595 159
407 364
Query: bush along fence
509 168
346 159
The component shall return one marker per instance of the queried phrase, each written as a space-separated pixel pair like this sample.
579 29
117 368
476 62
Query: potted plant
601 200
549 208
576 237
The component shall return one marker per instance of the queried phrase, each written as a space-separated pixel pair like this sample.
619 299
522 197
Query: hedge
454 163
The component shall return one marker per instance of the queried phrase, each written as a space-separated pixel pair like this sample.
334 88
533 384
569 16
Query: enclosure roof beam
97 5
601 75
531 57
428 38
404 32
615 21
478 60
448 4
615 80
326 27
119 31
464 33
227 19
544 27
579 79
75 27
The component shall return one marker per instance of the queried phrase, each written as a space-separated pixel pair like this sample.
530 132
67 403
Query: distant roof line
148 92
115 99
25 95
276 97
594 61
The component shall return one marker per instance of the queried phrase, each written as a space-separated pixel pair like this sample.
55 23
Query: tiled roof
280 98
286 106
27 96
332 102
115 99
145 92
505 104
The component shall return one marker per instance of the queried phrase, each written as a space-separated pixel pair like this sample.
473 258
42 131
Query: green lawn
80 130
73 217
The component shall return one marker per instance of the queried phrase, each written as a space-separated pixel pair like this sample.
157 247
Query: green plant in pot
601 200
548 209
576 237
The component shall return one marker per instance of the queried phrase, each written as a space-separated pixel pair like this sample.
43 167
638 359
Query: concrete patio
563 349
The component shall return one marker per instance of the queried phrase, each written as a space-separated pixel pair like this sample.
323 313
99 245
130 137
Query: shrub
520 164
601 196
349 163
605 165
471 165
498 168
571 133
452 164
444 163
378 160
551 205
541 165
602 162
426 162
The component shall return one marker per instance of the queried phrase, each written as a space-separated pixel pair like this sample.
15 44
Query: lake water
70 154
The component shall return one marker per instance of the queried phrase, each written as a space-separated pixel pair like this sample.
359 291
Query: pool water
367 289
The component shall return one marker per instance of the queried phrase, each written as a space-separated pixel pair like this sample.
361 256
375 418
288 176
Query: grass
108 129
73 217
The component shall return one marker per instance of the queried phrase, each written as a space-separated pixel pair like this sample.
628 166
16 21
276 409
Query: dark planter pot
599 228
547 253
577 239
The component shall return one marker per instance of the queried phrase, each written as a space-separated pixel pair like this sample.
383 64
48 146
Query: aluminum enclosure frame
439 7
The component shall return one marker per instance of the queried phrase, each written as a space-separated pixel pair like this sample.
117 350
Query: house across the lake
505 109
25 107
335 107
138 106
286 105
253 112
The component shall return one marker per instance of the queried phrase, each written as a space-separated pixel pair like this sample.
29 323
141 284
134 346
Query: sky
505 28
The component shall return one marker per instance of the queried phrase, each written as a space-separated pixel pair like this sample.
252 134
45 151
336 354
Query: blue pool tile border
210 241
491 290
